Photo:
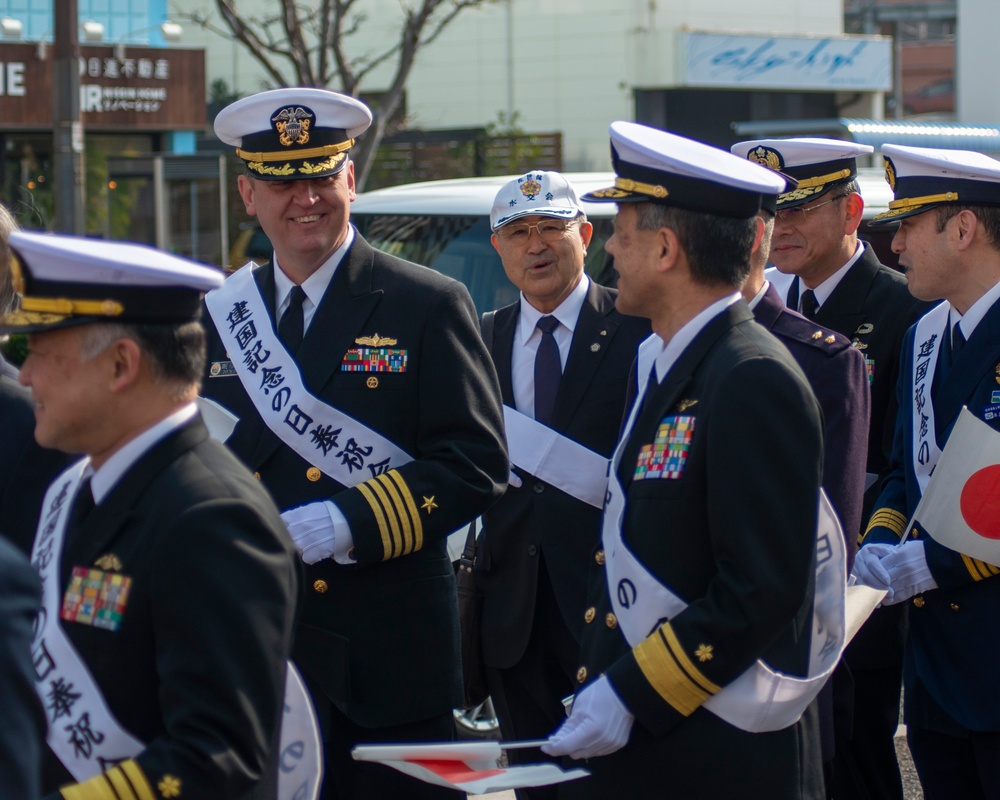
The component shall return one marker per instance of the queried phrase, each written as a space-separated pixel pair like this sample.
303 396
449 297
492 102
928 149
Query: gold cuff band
629 185
284 155
89 308
910 202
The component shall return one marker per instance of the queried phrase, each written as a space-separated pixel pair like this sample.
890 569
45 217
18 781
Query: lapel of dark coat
768 308
105 523
346 305
504 331
978 357
658 401
844 309
591 342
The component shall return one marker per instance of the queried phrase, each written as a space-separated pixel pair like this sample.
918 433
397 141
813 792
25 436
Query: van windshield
459 247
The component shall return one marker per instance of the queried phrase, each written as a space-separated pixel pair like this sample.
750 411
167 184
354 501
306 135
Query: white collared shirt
314 286
825 289
678 343
527 338
759 296
106 478
967 322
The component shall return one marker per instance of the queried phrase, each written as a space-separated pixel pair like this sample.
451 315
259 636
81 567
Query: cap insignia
766 157
292 125
890 173
530 189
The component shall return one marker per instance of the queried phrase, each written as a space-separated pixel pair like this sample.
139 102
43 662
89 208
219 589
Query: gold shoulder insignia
375 341
818 335
684 405
830 339
109 562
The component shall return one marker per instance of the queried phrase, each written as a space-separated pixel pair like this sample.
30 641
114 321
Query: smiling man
563 354
947 203
369 407
838 282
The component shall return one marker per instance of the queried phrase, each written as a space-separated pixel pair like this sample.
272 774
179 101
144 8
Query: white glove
311 528
598 725
908 572
868 567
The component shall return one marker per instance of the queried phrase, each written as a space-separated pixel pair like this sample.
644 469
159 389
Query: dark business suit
536 545
380 639
25 468
950 687
873 307
22 721
196 669
733 535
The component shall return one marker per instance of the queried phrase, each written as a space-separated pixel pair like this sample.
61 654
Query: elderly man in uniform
837 281
947 204
710 527
168 580
368 406
563 354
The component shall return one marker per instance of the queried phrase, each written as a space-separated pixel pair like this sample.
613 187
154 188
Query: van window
459 247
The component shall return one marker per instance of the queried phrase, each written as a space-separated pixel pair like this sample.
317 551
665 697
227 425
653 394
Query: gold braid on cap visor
312 152
82 308
910 202
807 187
629 185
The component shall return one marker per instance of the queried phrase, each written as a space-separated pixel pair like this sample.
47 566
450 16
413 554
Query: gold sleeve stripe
979 569
140 785
390 515
887 518
399 509
657 658
120 782
383 526
411 506
96 788
686 663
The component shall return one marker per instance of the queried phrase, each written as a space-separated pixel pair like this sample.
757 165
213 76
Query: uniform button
257 475
589 615
599 558
954 607
918 601
313 474
532 550
320 586
539 487
581 675
611 621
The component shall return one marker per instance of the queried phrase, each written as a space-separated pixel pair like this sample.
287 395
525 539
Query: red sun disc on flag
980 502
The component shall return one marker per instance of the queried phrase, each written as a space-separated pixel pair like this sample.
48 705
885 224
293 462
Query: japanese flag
961 507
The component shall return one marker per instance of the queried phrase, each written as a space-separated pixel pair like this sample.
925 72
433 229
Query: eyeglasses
798 214
550 230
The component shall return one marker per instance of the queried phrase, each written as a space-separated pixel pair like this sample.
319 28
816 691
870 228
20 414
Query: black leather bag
469 606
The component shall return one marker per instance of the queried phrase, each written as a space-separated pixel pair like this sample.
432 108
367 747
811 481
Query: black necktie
809 304
792 301
83 504
292 323
957 340
548 370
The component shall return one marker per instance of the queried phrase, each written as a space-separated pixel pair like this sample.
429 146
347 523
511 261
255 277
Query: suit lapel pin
604 333
595 347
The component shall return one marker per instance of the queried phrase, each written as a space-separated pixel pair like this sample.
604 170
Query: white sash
82 731
760 699
337 444
926 342
556 459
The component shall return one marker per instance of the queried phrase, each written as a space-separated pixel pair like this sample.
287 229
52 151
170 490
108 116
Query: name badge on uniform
666 457
221 369
95 597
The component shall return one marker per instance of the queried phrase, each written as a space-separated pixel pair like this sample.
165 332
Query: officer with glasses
563 355
838 282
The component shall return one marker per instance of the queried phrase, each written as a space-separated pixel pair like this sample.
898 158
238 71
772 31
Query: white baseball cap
536 192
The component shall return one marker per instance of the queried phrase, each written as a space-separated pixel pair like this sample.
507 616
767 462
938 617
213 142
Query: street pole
68 128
